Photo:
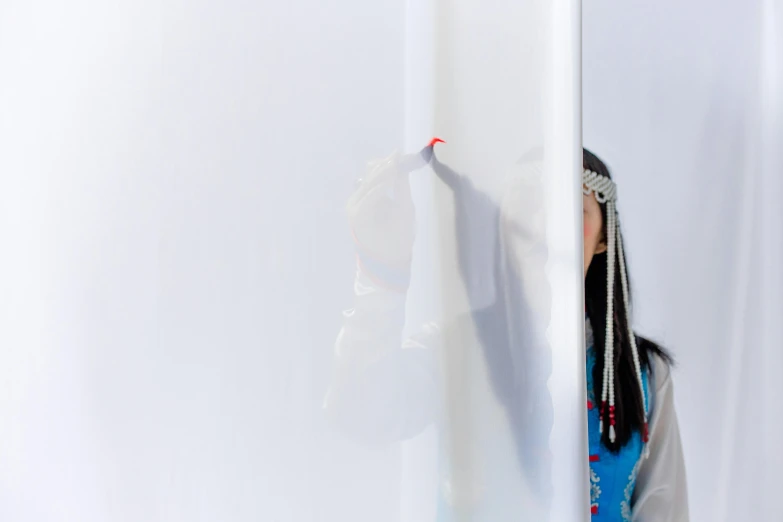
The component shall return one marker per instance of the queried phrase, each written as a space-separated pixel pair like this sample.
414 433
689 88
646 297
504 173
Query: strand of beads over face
605 191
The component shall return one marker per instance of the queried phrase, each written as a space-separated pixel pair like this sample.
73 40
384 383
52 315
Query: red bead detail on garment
593 510
590 404
594 458
646 433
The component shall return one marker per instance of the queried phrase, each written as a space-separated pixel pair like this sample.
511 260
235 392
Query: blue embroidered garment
612 476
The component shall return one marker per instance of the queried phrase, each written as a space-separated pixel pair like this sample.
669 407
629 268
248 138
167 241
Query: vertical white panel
565 269
771 238
419 455
509 82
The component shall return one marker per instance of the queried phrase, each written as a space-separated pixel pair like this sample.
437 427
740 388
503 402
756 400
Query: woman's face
594 241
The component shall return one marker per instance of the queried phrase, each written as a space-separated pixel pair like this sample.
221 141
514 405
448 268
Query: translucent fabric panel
238 284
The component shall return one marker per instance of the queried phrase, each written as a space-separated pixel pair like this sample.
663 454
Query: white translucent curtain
684 102
176 254
502 81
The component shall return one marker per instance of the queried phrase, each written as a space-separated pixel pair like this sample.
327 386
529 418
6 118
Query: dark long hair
629 412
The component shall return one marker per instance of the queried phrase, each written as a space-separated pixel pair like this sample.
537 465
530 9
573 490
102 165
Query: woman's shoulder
660 361
660 379
661 369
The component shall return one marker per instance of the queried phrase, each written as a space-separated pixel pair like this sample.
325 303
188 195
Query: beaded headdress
605 191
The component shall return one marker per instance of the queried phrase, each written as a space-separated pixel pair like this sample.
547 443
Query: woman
388 390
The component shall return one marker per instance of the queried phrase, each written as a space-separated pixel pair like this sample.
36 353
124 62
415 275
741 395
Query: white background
683 100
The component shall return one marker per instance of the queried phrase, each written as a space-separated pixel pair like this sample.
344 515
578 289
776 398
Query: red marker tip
433 141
